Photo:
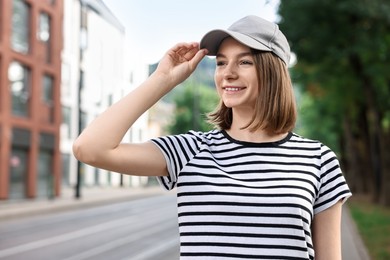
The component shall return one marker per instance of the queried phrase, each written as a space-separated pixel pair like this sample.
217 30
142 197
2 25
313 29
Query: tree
343 49
193 102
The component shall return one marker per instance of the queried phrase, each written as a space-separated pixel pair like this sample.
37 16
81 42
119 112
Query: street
142 228
139 229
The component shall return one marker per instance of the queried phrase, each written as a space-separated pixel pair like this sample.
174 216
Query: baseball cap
252 31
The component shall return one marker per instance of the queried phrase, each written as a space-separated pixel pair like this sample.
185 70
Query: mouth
233 89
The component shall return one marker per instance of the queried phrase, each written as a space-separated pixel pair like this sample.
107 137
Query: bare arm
326 231
100 144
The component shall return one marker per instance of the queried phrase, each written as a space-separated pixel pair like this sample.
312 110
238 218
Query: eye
220 63
246 62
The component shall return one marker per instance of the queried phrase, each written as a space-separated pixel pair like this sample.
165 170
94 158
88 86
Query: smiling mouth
232 89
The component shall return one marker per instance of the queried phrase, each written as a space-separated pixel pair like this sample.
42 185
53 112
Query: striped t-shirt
242 200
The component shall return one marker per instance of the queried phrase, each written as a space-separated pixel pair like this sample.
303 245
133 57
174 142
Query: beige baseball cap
252 31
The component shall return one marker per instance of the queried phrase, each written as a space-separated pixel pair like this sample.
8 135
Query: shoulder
210 136
194 139
321 150
303 140
303 143
300 140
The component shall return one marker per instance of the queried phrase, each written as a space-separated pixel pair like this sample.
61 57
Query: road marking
73 235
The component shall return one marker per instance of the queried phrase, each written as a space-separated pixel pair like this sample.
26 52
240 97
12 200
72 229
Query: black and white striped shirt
242 200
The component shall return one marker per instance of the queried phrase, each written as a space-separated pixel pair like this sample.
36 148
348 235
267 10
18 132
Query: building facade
94 76
30 108
61 64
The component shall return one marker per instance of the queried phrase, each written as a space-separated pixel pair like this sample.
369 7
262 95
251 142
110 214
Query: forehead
230 46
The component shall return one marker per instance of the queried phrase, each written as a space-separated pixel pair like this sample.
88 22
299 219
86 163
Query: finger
184 45
188 50
198 57
188 54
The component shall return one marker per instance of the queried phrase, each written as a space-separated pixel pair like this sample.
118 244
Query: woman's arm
326 233
100 144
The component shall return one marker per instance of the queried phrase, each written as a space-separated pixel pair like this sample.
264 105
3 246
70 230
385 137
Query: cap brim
213 39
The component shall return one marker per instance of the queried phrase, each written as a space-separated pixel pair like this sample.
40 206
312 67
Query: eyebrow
240 55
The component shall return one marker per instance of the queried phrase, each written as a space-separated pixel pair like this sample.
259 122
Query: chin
231 103
228 105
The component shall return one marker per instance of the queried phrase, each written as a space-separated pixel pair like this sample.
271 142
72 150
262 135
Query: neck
258 136
237 132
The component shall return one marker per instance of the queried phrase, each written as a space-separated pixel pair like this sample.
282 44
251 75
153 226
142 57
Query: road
139 229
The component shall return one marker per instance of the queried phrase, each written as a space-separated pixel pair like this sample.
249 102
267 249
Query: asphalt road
140 229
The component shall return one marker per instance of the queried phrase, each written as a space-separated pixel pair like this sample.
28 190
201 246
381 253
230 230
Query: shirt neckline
261 144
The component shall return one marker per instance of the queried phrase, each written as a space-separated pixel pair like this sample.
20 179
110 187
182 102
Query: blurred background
62 62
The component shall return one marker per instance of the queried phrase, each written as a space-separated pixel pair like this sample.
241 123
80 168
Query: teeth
232 89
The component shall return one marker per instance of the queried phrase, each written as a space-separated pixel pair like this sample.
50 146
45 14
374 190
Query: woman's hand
179 62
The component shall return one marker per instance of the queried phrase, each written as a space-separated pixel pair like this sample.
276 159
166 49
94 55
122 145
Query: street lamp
82 47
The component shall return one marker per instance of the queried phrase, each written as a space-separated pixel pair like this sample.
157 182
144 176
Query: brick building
30 108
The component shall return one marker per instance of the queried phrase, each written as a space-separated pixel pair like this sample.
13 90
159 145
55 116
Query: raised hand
180 61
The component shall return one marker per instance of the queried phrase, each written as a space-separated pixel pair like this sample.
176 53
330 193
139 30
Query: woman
251 188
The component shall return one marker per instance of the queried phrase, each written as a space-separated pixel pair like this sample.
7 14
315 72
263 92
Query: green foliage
311 123
193 101
203 75
373 223
343 49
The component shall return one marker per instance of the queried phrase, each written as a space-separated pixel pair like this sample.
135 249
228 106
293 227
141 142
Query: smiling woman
275 108
250 188
235 76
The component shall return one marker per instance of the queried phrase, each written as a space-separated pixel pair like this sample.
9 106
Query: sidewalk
89 197
352 246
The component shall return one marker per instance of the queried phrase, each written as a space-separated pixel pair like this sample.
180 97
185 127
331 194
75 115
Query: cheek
217 82
256 90
256 84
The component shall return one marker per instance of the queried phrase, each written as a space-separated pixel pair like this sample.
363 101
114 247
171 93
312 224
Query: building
61 64
30 108
94 76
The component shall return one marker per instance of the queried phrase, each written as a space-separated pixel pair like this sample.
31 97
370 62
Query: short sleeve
333 186
177 150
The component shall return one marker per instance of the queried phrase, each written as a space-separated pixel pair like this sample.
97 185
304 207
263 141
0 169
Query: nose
230 71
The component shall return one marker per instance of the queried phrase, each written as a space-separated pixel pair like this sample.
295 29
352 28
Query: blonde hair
275 107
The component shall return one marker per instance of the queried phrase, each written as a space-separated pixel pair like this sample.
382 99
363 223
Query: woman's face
235 75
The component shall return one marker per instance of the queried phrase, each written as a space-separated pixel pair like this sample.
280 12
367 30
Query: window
47 90
110 99
66 121
18 172
83 120
65 169
47 109
18 162
19 79
84 29
45 185
43 34
44 27
66 90
20 26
